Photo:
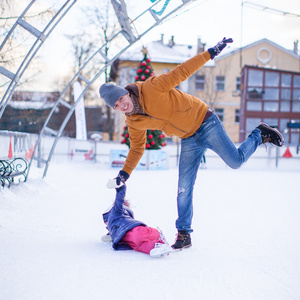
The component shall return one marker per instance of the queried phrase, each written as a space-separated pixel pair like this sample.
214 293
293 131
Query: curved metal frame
41 38
126 32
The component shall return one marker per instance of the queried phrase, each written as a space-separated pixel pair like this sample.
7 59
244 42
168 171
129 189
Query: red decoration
152 143
147 71
150 136
144 63
147 146
10 155
143 77
287 153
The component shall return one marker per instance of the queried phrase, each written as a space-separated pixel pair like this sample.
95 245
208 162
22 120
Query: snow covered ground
246 240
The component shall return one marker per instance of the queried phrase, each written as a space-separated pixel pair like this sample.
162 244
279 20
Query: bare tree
104 23
211 93
16 47
100 26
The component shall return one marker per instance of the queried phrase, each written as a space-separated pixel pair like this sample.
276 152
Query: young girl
127 233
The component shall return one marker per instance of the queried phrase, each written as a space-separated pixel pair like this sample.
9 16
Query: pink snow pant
142 238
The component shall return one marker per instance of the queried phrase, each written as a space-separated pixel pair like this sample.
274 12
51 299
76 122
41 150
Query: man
156 104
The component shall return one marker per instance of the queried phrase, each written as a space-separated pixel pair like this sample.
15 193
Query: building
218 83
272 96
27 112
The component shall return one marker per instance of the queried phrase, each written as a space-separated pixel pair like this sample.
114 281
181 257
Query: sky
209 20
213 19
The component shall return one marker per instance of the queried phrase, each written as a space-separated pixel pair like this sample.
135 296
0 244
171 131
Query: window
271 106
127 75
123 77
285 103
272 79
296 94
296 99
238 84
286 94
199 82
271 121
297 81
272 96
220 83
254 105
255 78
296 106
132 74
251 123
237 116
255 93
286 80
220 113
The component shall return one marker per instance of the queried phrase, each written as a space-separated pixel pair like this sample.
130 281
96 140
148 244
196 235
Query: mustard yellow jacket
168 109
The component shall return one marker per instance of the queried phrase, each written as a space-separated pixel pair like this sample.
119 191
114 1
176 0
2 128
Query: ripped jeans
211 135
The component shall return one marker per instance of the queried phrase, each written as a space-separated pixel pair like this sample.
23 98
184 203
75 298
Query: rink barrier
99 152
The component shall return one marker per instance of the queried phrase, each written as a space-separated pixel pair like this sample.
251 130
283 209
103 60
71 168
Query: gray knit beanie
111 93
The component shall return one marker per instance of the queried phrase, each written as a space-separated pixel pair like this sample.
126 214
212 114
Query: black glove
122 177
216 50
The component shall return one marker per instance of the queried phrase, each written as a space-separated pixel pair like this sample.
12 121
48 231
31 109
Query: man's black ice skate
183 240
270 135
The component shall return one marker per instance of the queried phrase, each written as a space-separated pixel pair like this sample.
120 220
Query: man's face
124 104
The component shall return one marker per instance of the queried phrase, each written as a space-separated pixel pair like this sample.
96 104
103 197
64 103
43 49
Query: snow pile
245 243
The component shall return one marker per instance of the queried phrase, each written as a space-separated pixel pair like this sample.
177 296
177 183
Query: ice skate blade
158 254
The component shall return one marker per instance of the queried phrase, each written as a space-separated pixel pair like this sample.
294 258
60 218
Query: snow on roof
159 52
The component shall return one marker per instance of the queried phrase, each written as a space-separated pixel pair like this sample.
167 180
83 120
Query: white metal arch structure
40 38
126 32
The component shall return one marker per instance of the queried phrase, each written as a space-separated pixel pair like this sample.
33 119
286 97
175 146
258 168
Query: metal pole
277 156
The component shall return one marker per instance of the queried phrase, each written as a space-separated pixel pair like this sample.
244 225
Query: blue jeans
211 135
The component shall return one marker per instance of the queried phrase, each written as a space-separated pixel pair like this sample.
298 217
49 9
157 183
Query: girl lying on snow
126 233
